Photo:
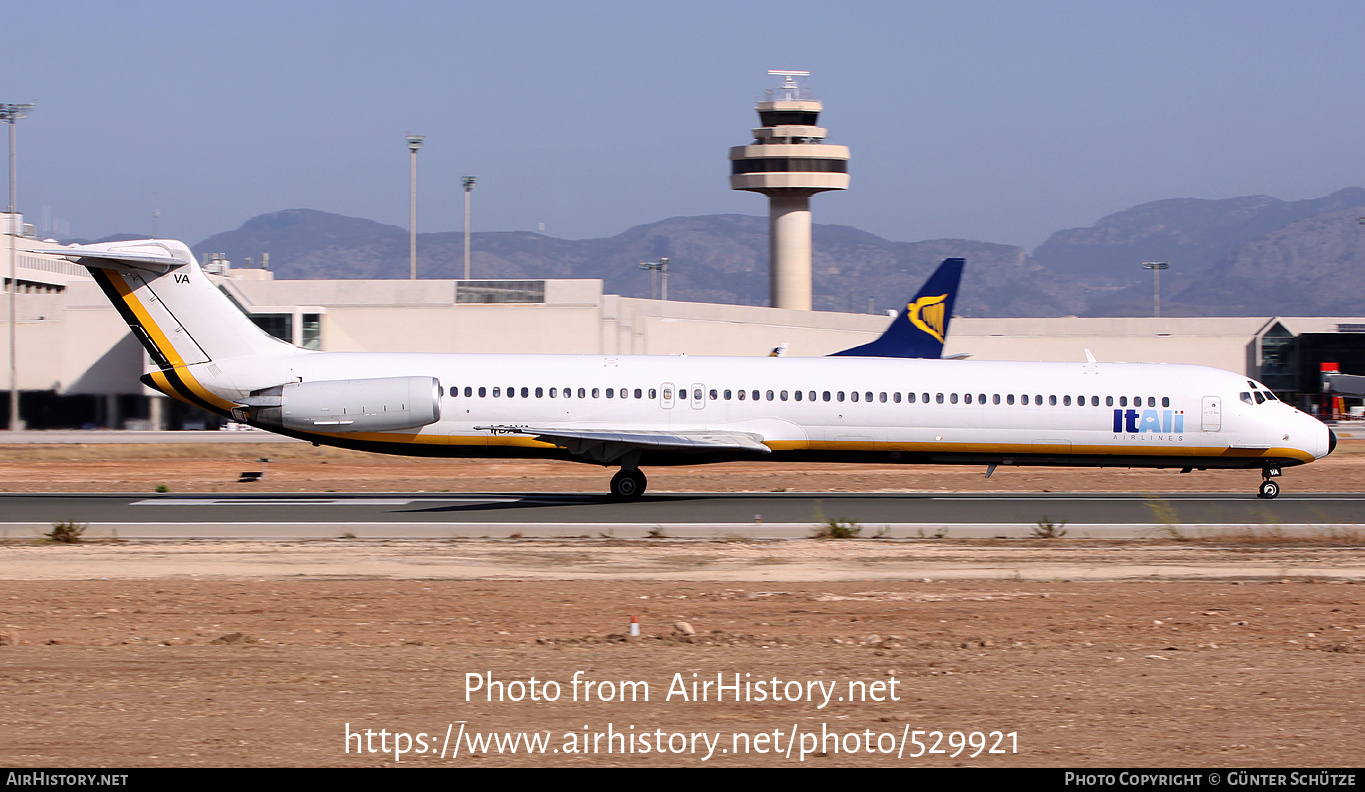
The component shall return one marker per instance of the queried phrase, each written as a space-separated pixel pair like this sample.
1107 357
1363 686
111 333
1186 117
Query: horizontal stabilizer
151 254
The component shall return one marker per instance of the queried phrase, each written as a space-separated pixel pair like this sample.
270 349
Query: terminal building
78 365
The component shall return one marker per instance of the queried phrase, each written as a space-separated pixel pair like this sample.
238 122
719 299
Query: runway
698 515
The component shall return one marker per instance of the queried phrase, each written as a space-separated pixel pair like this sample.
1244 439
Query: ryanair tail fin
922 326
175 311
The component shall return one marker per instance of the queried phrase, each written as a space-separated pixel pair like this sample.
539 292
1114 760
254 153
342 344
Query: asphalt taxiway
679 515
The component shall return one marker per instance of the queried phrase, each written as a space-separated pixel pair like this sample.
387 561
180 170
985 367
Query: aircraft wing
606 446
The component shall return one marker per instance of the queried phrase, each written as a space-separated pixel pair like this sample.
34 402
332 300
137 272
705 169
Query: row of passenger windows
1065 400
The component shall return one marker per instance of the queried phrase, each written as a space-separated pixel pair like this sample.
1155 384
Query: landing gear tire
1269 489
628 485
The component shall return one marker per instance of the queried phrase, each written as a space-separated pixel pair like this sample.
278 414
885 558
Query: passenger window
910 398
995 398
952 397
980 398
668 394
728 394
939 398
881 397
1151 401
525 393
1094 401
741 395
797 394
540 393
468 391
1123 401
810 396
1066 401
653 393
854 395
770 395
1052 401
713 395
841 396
1009 398
496 392
1038 401
782 395
896 397
483 392
753 395
696 394
966 398
611 393
582 393
826 396
1108 401
1165 401
596 393
554 393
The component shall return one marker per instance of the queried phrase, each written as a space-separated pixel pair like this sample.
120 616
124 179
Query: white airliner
630 411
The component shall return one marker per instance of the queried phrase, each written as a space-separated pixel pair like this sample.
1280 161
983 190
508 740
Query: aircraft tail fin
922 326
171 306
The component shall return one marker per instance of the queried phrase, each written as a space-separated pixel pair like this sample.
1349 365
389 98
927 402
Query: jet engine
383 404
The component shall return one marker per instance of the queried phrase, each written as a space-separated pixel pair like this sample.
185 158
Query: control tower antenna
789 162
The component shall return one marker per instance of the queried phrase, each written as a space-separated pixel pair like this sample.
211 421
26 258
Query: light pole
656 267
1156 267
414 143
10 113
468 182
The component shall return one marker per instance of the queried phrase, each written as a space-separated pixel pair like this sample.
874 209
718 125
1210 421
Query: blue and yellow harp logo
929 315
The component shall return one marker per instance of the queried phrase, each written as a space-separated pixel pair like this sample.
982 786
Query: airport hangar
78 364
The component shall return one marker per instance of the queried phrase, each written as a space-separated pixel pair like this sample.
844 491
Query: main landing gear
1269 489
628 485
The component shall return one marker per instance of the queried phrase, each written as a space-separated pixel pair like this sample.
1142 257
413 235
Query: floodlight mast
9 114
414 143
1156 267
656 268
468 182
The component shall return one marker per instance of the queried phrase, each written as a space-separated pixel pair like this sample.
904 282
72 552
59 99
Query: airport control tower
789 162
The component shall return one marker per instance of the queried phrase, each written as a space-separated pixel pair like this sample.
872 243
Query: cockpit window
1260 397
1246 397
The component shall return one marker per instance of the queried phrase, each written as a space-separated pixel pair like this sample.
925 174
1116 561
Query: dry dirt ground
1209 654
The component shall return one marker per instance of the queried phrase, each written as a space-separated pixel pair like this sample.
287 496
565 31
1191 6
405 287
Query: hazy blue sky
999 121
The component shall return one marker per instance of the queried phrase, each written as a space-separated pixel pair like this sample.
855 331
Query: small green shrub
1047 529
66 532
832 528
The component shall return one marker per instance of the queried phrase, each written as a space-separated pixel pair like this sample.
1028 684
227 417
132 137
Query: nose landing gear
628 485
1269 489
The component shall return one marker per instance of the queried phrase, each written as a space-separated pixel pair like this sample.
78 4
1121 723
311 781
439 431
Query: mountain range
1233 257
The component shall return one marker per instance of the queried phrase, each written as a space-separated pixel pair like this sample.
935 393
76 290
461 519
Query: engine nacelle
383 404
